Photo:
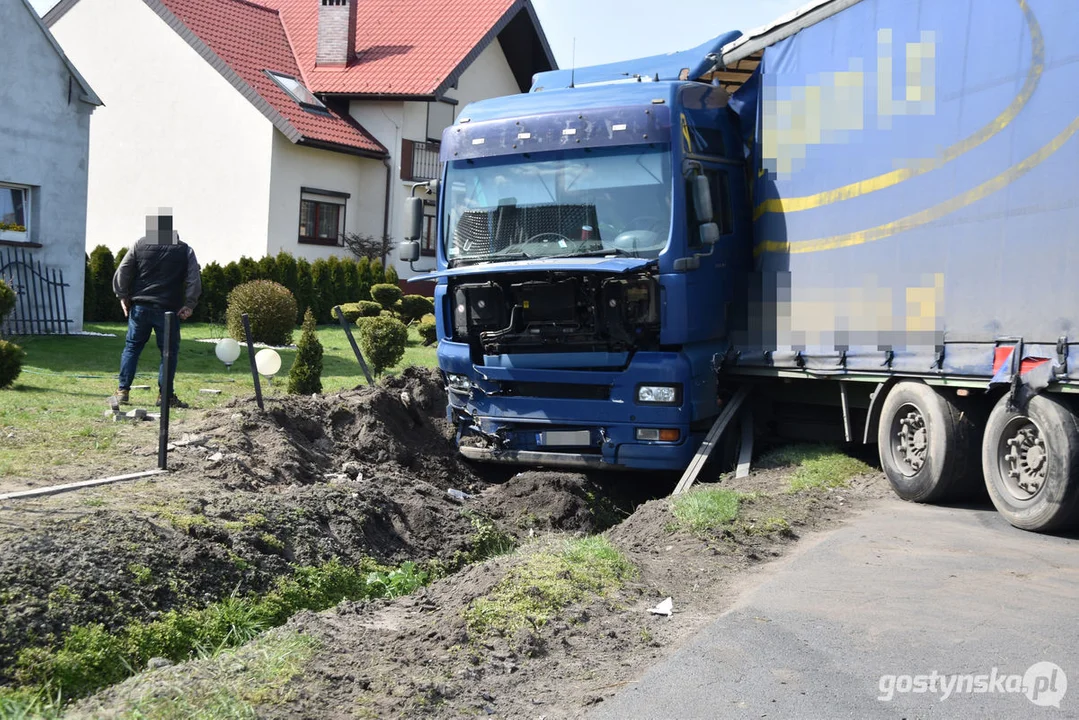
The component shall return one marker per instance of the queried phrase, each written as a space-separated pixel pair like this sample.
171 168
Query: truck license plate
565 438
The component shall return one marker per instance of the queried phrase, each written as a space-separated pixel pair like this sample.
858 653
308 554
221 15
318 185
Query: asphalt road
844 626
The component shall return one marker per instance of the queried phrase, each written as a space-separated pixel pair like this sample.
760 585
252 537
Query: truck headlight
458 383
659 394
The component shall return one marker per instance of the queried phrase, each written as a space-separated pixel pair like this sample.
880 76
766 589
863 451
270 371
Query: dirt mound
398 427
540 501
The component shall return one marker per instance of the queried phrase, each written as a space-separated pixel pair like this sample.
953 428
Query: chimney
336 32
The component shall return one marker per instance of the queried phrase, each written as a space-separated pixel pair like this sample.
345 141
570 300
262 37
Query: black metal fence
41 298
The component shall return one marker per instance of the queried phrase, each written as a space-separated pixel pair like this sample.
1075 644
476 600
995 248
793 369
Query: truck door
711 286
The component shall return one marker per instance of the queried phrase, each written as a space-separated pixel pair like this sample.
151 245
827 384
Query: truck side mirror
702 198
709 233
409 251
413 218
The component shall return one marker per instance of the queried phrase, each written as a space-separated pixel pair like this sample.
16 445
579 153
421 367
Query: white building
45 107
281 124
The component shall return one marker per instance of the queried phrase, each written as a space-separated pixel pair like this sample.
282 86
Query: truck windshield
559 204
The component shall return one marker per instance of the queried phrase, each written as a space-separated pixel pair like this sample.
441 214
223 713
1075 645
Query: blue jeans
140 321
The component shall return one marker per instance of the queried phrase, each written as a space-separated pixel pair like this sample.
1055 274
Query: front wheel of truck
928 445
1030 457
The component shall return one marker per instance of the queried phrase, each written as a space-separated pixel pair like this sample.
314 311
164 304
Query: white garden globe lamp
227 351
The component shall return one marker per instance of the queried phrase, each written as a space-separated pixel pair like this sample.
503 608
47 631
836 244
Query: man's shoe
123 396
174 402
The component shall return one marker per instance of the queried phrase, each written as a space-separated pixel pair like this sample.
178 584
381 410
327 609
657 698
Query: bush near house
11 355
99 273
270 307
382 341
385 295
414 307
351 311
427 330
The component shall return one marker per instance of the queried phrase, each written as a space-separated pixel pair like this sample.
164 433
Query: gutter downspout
386 208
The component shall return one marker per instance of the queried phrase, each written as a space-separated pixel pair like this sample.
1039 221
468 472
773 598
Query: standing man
158 275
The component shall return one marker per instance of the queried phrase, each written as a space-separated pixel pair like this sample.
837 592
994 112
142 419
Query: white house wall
386 122
295 167
488 76
173 133
44 141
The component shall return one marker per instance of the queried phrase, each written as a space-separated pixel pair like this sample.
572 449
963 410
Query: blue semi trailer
869 206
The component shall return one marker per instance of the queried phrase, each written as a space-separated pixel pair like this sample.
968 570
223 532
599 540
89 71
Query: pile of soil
250 495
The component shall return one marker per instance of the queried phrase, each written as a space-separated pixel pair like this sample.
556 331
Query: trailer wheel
1030 457
927 445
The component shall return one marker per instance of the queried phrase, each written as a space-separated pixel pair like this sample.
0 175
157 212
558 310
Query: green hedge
320 285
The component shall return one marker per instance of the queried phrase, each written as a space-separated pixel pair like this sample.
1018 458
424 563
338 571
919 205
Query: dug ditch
362 477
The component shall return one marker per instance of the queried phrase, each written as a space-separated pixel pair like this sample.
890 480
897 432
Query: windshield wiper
602 251
475 260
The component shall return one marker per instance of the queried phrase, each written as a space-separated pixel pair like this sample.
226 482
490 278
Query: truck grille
558 391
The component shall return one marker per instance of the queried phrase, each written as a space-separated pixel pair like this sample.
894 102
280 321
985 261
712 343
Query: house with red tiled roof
272 125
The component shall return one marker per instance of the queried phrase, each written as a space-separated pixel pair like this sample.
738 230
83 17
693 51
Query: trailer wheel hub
912 438
1024 460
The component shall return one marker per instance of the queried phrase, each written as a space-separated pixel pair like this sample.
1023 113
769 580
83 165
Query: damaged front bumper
573 418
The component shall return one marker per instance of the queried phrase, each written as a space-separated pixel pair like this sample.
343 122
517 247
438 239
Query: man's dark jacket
164 275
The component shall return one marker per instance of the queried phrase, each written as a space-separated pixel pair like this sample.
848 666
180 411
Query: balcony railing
419 161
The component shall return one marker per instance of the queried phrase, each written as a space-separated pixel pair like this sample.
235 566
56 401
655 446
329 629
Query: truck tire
928 445
1030 458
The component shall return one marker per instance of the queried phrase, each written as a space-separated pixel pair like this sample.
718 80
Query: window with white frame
322 216
14 211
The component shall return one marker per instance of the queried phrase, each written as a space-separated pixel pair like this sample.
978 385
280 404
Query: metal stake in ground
166 395
251 357
352 341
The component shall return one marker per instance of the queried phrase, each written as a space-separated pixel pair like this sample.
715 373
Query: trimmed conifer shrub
427 330
11 359
305 377
385 295
270 307
7 299
382 341
414 307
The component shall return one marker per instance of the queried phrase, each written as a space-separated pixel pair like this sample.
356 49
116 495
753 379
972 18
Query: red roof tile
250 38
403 47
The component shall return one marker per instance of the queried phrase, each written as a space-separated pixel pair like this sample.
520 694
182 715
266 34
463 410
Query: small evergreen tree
378 274
352 272
305 288
288 276
116 311
268 270
249 269
321 282
305 377
391 276
102 268
215 292
363 267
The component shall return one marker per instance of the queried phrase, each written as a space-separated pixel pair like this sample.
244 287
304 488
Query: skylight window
297 91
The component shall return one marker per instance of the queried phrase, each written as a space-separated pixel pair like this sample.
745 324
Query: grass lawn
52 423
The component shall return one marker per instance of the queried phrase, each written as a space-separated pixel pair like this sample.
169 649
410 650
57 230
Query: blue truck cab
590 237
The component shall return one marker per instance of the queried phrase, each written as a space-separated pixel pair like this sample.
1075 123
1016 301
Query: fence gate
41 300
